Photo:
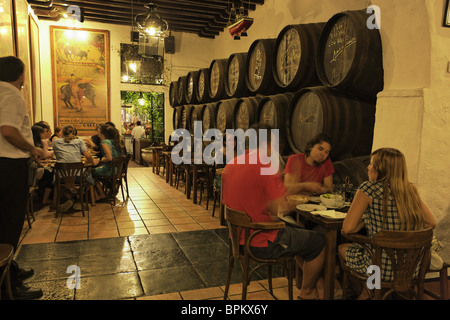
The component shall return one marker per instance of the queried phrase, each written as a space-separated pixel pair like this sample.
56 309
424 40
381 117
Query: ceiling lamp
150 23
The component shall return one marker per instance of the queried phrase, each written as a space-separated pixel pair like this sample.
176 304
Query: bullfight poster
81 88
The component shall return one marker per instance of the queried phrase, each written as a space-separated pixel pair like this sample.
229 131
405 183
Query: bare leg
311 273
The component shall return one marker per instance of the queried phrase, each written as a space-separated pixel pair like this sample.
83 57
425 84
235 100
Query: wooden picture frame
36 69
23 51
446 22
7 47
81 77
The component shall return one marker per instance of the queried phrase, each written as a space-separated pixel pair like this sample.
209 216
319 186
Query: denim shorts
291 241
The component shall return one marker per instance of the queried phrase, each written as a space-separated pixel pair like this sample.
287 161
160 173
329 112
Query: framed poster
23 51
446 22
36 70
7 47
80 75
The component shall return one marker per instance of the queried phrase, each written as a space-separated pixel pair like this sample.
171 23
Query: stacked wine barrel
313 78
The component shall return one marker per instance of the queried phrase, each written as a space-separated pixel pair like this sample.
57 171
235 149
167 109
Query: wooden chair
125 175
6 256
408 252
239 222
443 284
205 181
112 183
32 191
69 177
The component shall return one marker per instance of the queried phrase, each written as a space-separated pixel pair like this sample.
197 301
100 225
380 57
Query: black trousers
13 199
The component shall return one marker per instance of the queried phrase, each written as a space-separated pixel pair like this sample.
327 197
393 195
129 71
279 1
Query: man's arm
14 137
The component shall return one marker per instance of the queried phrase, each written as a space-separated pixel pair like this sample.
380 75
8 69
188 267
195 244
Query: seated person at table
312 171
94 142
111 147
57 134
70 149
246 189
388 187
44 176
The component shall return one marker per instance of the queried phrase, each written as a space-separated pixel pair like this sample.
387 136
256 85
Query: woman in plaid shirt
387 201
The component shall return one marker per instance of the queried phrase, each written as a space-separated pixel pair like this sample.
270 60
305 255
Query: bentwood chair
70 177
6 256
409 254
125 175
239 222
112 183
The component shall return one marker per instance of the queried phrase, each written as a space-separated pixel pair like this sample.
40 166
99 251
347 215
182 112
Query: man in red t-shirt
246 189
311 171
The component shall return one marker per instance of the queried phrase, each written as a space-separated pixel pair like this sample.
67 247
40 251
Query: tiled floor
157 245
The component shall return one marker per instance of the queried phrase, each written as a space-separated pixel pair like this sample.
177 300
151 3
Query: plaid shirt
356 256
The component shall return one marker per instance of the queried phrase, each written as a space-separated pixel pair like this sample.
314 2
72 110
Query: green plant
149 107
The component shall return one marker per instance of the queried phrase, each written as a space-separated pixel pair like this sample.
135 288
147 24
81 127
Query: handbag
436 262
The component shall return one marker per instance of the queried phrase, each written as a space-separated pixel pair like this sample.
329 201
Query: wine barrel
176 120
259 75
181 85
208 116
235 85
195 114
295 51
173 94
191 87
272 110
184 120
224 114
346 119
203 86
217 79
349 55
245 112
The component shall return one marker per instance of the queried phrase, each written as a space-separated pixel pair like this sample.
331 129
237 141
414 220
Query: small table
332 226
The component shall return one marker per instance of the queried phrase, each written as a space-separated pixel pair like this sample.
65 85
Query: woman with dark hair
312 171
111 148
44 176
57 134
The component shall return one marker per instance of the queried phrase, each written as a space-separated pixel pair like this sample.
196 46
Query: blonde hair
390 164
69 133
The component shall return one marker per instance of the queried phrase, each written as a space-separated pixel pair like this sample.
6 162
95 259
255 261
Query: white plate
333 207
331 214
311 207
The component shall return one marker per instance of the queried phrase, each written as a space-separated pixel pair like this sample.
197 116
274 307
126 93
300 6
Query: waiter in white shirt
138 131
16 147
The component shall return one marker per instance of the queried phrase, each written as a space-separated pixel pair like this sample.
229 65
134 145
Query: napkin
325 212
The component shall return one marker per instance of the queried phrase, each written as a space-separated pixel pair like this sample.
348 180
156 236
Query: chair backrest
408 252
125 164
238 222
69 174
117 167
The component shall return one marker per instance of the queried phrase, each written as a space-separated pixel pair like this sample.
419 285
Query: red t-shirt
297 166
245 189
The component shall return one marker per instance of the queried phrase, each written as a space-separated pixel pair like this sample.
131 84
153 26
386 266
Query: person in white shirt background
138 131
